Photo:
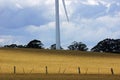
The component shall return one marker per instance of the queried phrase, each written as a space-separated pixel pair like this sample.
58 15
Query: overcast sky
90 21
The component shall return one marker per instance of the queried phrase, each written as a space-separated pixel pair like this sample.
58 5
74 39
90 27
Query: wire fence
57 70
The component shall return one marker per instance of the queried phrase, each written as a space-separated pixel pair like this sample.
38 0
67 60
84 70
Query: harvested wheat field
34 61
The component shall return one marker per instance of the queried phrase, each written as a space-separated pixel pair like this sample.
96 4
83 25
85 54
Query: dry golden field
58 62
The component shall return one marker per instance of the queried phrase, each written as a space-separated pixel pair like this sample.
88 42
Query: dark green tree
78 46
14 46
35 44
107 45
53 47
21 46
11 46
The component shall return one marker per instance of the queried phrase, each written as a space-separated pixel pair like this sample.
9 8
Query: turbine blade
65 10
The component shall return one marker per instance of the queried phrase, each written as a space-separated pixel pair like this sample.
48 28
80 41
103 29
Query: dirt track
57 77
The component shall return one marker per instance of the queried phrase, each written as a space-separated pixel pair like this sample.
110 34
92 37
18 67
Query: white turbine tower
58 22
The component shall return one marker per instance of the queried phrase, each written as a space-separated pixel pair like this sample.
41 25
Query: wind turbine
57 23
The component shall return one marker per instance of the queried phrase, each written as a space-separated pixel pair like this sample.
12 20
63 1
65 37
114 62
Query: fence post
86 71
23 71
79 70
59 70
46 70
14 69
112 71
64 70
98 71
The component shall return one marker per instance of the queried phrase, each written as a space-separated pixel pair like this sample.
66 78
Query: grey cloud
82 10
20 18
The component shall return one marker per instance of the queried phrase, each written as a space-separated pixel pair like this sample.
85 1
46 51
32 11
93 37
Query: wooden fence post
79 70
14 69
64 70
98 71
59 70
86 71
112 71
46 70
23 71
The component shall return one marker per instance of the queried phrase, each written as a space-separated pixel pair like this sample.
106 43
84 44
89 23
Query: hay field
67 62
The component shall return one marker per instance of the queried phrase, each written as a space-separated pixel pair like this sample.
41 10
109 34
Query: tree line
106 45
